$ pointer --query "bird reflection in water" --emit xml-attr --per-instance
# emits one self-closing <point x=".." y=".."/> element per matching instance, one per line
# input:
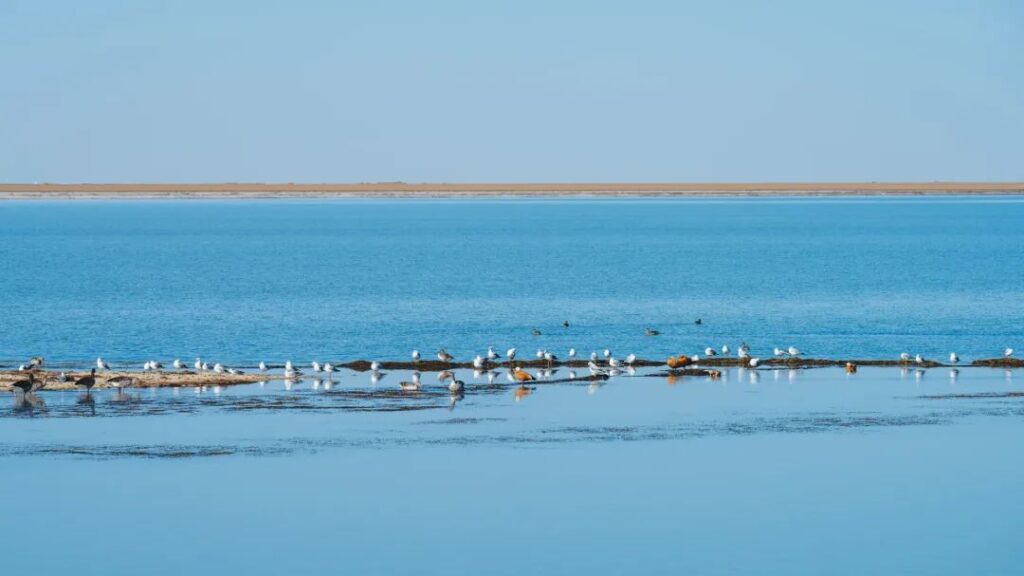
<point x="455" y="399"/>
<point x="523" y="391"/>
<point x="672" y="379"/>
<point x="86" y="399"/>
<point x="28" y="403"/>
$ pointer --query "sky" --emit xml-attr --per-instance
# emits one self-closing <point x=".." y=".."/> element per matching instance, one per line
<point x="511" y="91"/>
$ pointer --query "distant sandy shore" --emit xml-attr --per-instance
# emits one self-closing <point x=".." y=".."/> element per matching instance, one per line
<point x="444" y="190"/>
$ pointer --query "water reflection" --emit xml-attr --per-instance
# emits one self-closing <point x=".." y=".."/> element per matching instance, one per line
<point x="86" y="399"/>
<point x="523" y="392"/>
<point x="455" y="399"/>
<point x="28" y="403"/>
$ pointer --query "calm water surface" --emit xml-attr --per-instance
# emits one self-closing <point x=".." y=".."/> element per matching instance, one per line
<point x="767" y="471"/>
<point x="242" y="281"/>
<point x="802" y="472"/>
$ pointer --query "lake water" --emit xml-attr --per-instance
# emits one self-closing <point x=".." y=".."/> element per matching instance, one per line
<point x="761" y="471"/>
<point x="243" y="281"/>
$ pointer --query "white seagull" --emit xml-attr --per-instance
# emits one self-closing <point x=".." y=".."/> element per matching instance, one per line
<point x="178" y="364"/>
<point x="709" y="351"/>
<point x="725" y="349"/>
<point x="263" y="366"/>
<point x="491" y="354"/>
<point x="315" y="365"/>
<point x="631" y="359"/>
<point x="904" y="357"/>
<point x="478" y="362"/>
<point x="444" y="356"/>
<point x="199" y="364"/>
<point x="375" y="366"/>
<point x="778" y="352"/>
<point x="572" y="353"/>
<point x="918" y="359"/>
<point x="102" y="364"/>
<point x="793" y="351"/>
<point x="1008" y="352"/>
<point x="415" y="355"/>
<point x="510" y="354"/>
<point x="607" y="353"/>
<point x="953" y="358"/>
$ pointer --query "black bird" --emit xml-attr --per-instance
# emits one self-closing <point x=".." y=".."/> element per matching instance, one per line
<point x="698" y="321"/>
<point x="27" y="385"/>
<point x="87" y="381"/>
<point x="536" y="332"/>
<point x="651" y="332"/>
<point x="565" y="324"/>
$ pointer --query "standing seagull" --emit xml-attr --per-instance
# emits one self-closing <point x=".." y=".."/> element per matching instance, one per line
<point x="444" y="356"/>
<point x="1008" y="352"/>
<point x="709" y="351"/>
<point x="793" y="351"/>
<point x="510" y="354"/>
<point x="953" y="358"/>
<point x="491" y="354"/>
<point x="263" y="366"/>
<point x="918" y="359"/>
<point x="415" y="355"/>
<point x="178" y="364"/>
<point x="725" y="349"/>
<point x="199" y="364"/>
<point x="102" y="364"/>
<point x="572" y="353"/>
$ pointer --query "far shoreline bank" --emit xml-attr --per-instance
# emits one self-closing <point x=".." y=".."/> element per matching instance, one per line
<point x="401" y="190"/>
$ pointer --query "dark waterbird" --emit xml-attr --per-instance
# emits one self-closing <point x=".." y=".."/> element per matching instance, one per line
<point x="87" y="381"/>
<point x="28" y="384"/>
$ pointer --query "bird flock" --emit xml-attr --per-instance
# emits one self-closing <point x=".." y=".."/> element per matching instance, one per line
<point x="600" y="364"/>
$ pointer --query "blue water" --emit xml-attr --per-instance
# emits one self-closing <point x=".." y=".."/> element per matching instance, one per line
<point x="768" y="471"/>
<point x="241" y="281"/>
<point x="885" y="471"/>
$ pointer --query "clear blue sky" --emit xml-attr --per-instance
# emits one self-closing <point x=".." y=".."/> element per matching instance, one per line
<point x="194" y="91"/>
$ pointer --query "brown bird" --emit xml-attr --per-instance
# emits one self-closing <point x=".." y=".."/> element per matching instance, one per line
<point x="851" y="368"/>
<point x="522" y="375"/>
<point x="87" y="381"/>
